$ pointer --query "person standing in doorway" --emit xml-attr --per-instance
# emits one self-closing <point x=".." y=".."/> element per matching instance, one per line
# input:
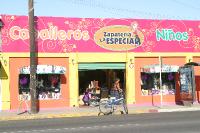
<point x="116" y="89"/>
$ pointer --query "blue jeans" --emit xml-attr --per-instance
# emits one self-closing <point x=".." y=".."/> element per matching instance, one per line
<point x="114" y="93"/>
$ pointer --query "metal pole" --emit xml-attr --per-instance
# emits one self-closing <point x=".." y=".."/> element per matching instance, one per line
<point x="161" y="90"/>
<point x="33" y="67"/>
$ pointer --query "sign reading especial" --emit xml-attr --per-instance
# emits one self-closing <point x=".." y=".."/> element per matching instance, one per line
<point x="119" y="37"/>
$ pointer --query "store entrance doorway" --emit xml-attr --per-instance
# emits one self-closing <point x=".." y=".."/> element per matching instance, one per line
<point x="100" y="79"/>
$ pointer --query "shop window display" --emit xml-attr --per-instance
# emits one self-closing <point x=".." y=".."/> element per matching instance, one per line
<point x="24" y="81"/>
<point x="48" y="85"/>
<point x="150" y="83"/>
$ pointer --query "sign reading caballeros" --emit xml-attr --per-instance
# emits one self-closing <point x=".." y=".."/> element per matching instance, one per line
<point x="119" y="37"/>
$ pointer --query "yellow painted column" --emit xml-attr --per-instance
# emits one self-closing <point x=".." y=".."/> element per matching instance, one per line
<point x="73" y="80"/>
<point x="130" y="79"/>
<point x="5" y="91"/>
<point x="189" y="58"/>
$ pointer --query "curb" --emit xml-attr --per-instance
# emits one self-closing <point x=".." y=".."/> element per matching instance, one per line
<point x="43" y="116"/>
<point x="63" y="115"/>
<point x="83" y="114"/>
<point x="179" y="109"/>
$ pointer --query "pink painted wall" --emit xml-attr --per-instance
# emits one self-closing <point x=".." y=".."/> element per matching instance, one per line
<point x="77" y="34"/>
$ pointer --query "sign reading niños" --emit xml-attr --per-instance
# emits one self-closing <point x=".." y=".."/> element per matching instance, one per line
<point x="118" y="38"/>
<point x="170" y="35"/>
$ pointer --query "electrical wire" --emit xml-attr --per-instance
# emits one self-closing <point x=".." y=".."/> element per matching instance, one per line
<point x="132" y="13"/>
<point x="121" y="12"/>
<point x="186" y="5"/>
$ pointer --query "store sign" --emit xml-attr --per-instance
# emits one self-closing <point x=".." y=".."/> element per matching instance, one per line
<point x="170" y="35"/>
<point x="118" y="38"/>
<point x="65" y="35"/>
<point x="51" y="33"/>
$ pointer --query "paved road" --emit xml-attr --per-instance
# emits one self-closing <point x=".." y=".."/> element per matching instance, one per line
<point x="174" y="122"/>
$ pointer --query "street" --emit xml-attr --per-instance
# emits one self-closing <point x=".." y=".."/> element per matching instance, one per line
<point x="174" y="122"/>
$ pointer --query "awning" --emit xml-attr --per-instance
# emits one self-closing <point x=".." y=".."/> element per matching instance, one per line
<point x="44" y="69"/>
<point x="155" y="68"/>
<point x="192" y="64"/>
<point x="98" y="66"/>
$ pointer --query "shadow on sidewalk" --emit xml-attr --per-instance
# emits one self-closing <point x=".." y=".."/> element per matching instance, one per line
<point x="24" y="112"/>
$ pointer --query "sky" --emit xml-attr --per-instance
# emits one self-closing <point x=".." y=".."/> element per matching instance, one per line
<point x="137" y="9"/>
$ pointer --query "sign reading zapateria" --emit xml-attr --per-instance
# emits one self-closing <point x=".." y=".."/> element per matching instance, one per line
<point x="118" y="37"/>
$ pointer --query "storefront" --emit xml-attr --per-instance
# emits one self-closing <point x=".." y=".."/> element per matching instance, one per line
<point x="52" y="81"/>
<point x="0" y="88"/>
<point x="197" y="79"/>
<point x="3" y="78"/>
<point x="148" y="73"/>
<point x="99" y="77"/>
<point x="92" y="49"/>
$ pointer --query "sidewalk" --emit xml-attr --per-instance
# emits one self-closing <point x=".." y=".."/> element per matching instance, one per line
<point x="92" y="111"/>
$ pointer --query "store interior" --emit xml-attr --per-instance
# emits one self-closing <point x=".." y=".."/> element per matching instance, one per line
<point x="150" y="83"/>
<point x="48" y="85"/>
<point x="100" y="80"/>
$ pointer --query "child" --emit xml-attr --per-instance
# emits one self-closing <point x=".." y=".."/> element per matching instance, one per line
<point x="86" y="97"/>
